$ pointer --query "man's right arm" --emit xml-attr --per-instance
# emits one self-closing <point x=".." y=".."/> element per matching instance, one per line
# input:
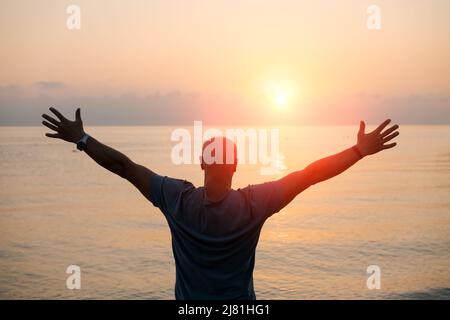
<point x="120" y="164"/>
<point x="107" y="157"/>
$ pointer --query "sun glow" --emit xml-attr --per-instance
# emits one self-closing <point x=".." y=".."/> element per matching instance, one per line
<point x="281" y="93"/>
<point x="281" y="99"/>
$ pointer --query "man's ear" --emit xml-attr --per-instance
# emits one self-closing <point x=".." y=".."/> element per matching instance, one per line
<point x="202" y="163"/>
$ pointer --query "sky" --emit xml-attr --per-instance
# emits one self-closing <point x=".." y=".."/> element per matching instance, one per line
<point x="252" y="62"/>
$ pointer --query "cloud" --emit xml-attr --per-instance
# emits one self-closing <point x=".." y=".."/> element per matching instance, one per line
<point x="10" y="90"/>
<point x="51" y="85"/>
<point x="410" y="109"/>
<point x="17" y="107"/>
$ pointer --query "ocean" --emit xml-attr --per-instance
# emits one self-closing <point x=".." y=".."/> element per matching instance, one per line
<point x="58" y="208"/>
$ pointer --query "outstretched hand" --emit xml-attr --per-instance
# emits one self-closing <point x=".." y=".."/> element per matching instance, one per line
<point x="71" y="131"/>
<point x="377" y="140"/>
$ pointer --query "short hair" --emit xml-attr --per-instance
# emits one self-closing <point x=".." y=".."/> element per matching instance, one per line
<point x="214" y="149"/>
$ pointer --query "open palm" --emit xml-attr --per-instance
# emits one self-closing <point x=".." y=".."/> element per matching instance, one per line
<point x="67" y="130"/>
<point x="377" y="140"/>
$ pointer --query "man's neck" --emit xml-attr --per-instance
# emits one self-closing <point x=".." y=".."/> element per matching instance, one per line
<point x="216" y="189"/>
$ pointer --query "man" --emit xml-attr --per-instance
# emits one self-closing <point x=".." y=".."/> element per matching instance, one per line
<point x="214" y="228"/>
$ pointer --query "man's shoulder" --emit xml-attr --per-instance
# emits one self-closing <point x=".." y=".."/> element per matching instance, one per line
<point x="270" y="185"/>
<point x="170" y="186"/>
<point x="176" y="181"/>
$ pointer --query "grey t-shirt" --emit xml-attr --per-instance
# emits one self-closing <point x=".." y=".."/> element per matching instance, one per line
<point x="214" y="243"/>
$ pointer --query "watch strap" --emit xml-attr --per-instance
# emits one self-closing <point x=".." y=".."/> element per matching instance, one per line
<point x="82" y="143"/>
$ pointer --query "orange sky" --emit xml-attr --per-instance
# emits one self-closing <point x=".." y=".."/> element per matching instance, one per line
<point x="316" y="51"/>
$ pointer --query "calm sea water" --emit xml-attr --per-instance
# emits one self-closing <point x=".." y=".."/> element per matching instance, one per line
<point x="58" y="208"/>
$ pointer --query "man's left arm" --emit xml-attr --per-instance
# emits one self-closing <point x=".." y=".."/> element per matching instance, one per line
<point x="326" y="168"/>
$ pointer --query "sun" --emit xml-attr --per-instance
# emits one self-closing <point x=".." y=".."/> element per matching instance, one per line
<point x="281" y="99"/>
<point x="281" y="95"/>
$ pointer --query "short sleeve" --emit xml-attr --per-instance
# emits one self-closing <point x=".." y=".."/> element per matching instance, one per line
<point x="265" y="198"/>
<point x="165" y="192"/>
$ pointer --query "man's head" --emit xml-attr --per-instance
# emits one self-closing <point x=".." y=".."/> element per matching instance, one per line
<point x="219" y="157"/>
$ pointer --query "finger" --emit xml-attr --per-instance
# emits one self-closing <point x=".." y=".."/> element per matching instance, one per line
<point x="382" y="126"/>
<point x="388" y="131"/>
<point x="362" y="127"/>
<point x="78" y="115"/>
<point x="50" y="119"/>
<point x="388" y="146"/>
<point x="53" y="135"/>
<point x="390" y="137"/>
<point x="58" y="114"/>
<point x="49" y="125"/>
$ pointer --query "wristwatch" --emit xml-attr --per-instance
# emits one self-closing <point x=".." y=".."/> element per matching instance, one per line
<point x="82" y="143"/>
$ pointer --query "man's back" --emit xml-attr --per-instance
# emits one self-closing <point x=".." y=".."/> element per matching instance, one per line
<point x="214" y="243"/>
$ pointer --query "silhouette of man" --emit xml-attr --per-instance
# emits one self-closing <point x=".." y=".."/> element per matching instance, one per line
<point x="215" y="229"/>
